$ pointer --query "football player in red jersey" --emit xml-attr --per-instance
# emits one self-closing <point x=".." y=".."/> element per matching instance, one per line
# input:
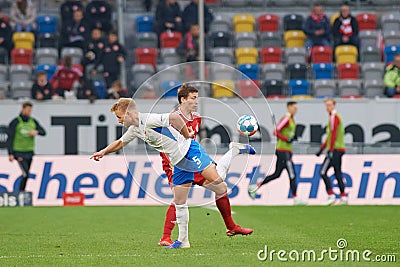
<point x="188" y="100"/>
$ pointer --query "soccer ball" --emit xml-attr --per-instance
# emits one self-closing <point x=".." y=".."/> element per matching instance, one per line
<point x="247" y="125"/>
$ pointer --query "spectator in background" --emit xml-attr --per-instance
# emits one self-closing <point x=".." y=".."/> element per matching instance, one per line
<point x="392" y="78"/>
<point x="189" y="46"/>
<point x="345" y="28"/>
<point x="98" y="14"/>
<point x="66" y="77"/>
<point x="111" y="58"/>
<point x="67" y="10"/>
<point x="86" y="90"/>
<point x="317" y="28"/>
<point x="147" y="4"/>
<point x="190" y="16"/>
<point x="42" y="89"/>
<point x="94" y="47"/>
<point x="23" y="16"/>
<point x="116" y="91"/>
<point x="75" y="33"/>
<point x="168" y="16"/>
<point x="5" y="33"/>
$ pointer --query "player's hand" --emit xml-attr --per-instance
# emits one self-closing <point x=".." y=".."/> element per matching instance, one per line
<point x="289" y="140"/>
<point x="330" y="154"/>
<point x="33" y="133"/>
<point x="11" y="158"/>
<point x="97" y="155"/>
<point x="319" y="153"/>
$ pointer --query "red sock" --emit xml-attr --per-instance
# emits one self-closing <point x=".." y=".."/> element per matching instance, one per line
<point x="224" y="207"/>
<point x="170" y="218"/>
<point x="343" y="194"/>
<point x="294" y="195"/>
<point x="330" y="192"/>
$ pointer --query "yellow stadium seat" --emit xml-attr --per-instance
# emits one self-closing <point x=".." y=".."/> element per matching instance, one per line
<point x="346" y="54"/>
<point x="223" y="88"/>
<point x="302" y="97"/>
<point x="23" y="40"/>
<point x="294" y="38"/>
<point x="334" y="17"/>
<point x="246" y="55"/>
<point x="244" y="23"/>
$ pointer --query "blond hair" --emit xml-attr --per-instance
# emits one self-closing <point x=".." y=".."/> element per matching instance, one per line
<point x="123" y="104"/>
<point x="330" y="99"/>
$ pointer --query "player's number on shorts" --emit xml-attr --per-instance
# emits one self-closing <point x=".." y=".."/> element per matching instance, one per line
<point x="197" y="161"/>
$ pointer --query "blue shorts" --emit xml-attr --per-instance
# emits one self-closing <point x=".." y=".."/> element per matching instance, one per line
<point x="195" y="160"/>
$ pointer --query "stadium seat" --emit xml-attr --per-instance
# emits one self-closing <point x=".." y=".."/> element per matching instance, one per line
<point x="295" y="55"/>
<point x="222" y="72"/>
<point x="223" y="88"/>
<point x="268" y="23"/>
<point x="321" y="54"/>
<point x="221" y="39"/>
<point x="170" y="88"/>
<point x="46" y="24"/>
<point x="165" y="72"/>
<point x="21" y="56"/>
<point x="260" y="3"/>
<point x="75" y="52"/>
<point x="144" y="24"/>
<point x="370" y="54"/>
<point x="366" y="21"/>
<point x="246" y="39"/>
<point x="248" y="88"/>
<point x="140" y="73"/>
<point x="46" y="56"/>
<point x="299" y="87"/>
<point x="302" y="97"/>
<point x="146" y="56"/>
<point x="382" y="2"/>
<point x="273" y="88"/>
<point x="246" y="55"/>
<point x="270" y="39"/>
<point x="297" y="71"/>
<point x="24" y="40"/>
<point x="294" y="38"/>
<point x="322" y="71"/>
<point x="369" y="38"/>
<point x="243" y="23"/>
<point x="170" y="39"/>
<point x="333" y="18"/>
<point x="20" y="73"/>
<point x="3" y="56"/>
<point x="349" y="88"/>
<point x="222" y="55"/>
<point x="390" y="52"/>
<point x="293" y="22"/>
<point x="271" y="55"/>
<point x="49" y="69"/>
<point x="21" y="89"/>
<point x="373" y="70"/>
<point x="334" y="3"/>
<point x="346" y="54"/>
<point x="146" y="39"/>
<point x="236" y="3"/>
<point x="273" y="71"/>
<point x="100" y="87"/>
<point x="374" y="88"/>
<point x="348" y="71"/>
<point x="250" y="70"/>
<point x="390" y="21"/>
<point x="3" y="73"/>
<point x="169" y="56"/>
<point x="324" y="88"/>
<point x="391" y="38"/>
<point x="48" y="40"/>
<point x="221" y="23"/>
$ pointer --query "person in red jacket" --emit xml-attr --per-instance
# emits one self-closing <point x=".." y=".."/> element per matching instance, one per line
<point x="187" y="97"/>
<point x="66" y="77"/>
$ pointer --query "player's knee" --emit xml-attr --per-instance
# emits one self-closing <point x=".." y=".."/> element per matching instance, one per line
<point x="221" y="189"/>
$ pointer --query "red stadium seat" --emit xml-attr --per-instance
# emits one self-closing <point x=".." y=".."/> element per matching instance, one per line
<point x="170" y="39"/>
<point x="271" y="55"/>
<point x="21" y="56"/>
<point x="268" y="23"/>
<point x="146" y="56"/>
<point x="351" y="96"/>
<point x="348" y="71"/>
<point x="321" y="54"/>
<point x="248" y="88"/>
<point x="276" y="97"/>
<point x="366" y="21"/>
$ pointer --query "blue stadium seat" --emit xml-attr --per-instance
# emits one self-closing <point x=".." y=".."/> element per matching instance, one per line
<point x="299" y="87"/>
<point x="100" y="87"/>
<point x="49" y="69"/>
<point x="250" y="70"/>
<point x="390" y="52"/>
<point x="323" y="71"/>
<point x="47" y="24"/>
<point x="144" y="24"/>
<point x="170" y="88"/>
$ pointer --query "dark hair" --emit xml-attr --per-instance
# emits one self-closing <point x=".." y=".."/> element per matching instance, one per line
<point x="27" y="104"/>
<point x="185" y="90"/>
<point x="41" y="73"/>
<point x="291" y="103"/>
<point x="114" y="32"/>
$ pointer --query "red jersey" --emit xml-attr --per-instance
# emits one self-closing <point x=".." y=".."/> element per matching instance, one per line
<point x="193" y="124"/>
<point x="66" y="77"/>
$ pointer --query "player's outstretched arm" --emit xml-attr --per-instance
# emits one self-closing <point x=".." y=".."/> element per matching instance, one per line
<point x="180" y="125"/>
<point x="114" y="146"/>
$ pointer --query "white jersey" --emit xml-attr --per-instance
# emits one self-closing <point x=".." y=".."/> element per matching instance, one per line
<point x="156" y="131"/>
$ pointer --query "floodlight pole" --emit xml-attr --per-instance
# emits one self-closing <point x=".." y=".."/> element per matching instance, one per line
<point x="121" y="38"/>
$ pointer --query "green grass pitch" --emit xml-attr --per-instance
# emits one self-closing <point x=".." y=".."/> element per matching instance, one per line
<point x="128" y="236"/>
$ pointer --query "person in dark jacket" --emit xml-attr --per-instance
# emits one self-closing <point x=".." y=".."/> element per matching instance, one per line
<point x="5" y="33"/>
<point x="94" y="47"/>
<point x="116" y="91"/>
<point x="75" y="33"/>
<point x="111" y="58"/>
<point x="86" y="90"/>
<point x="190" y="16"/>
<point x="168" y="16"/>
<point x="67" y="10"/>
<point x="345" y="28"/>
<point x="317" y="28"/>
<point x="42" y="89"/>
<point x="98" y="14"/>
<point x="21" y="140"/>
<point x="189" y="46"/>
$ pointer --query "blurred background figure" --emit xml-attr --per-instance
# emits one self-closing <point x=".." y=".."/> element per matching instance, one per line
<point x="66" y="78"/>
<point x="42" y="89"/>
<point x="116" y="91"/>
<point x="345" y="28"/>
<point x="23" y="16"/>
<point x="317" y="28"/>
